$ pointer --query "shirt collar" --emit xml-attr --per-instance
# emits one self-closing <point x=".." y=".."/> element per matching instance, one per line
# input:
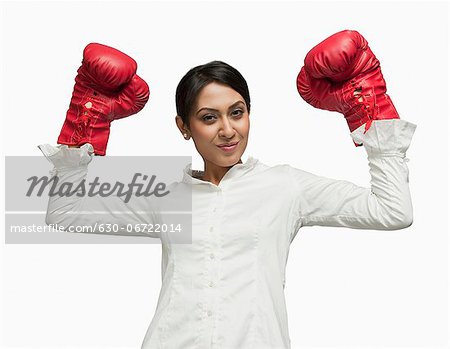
<point x="236" y="171"/>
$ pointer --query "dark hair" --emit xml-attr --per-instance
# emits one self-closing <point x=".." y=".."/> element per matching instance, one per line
<point x="198" y="77"/>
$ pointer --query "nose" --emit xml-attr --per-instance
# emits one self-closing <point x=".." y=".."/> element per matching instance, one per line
<point x="226" y="130"/>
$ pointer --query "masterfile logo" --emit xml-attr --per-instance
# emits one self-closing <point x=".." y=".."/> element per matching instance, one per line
<point x="117" y="199"/>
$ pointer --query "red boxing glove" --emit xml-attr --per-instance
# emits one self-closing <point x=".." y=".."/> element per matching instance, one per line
<point x="342" y="74"/>
<point x="106" y="88"/>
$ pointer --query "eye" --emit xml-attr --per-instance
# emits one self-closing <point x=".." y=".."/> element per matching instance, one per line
<point x="237" y="112"/>
<point x="208" y="117"/>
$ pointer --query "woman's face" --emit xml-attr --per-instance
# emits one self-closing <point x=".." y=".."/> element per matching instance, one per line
<point x="219" y="117"/>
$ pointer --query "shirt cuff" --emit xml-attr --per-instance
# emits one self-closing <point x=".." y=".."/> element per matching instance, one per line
<point x="387" y="136"/>
<point x="63" y="157"/>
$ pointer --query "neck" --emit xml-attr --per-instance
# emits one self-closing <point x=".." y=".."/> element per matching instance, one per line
<point x="214" y="173"/>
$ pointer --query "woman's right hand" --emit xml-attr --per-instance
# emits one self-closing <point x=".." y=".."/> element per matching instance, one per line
<point x="106" y="88"/>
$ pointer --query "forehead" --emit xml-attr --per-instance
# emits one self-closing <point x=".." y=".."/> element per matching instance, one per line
<point x="216" y="95"/>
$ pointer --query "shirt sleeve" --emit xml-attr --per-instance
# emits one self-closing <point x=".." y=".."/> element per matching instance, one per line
<point x="386" y="205"/>
<point x="109" y="215"/>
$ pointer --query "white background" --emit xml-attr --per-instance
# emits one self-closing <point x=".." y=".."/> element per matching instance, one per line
<point x="349" y="288"/>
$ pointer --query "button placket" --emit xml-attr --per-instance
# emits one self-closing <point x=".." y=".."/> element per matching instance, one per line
<point x="214" y="230"/>
<point x="211" y="260"/>
<point x="210" y="256"/>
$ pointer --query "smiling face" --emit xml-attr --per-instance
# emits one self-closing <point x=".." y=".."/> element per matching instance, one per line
<point x="219" y="116"/>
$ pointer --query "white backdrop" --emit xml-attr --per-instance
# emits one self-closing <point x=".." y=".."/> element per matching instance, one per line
<point x="344" y="287"/>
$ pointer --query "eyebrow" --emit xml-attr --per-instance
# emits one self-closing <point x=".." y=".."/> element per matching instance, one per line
<point x="212" y="109"/>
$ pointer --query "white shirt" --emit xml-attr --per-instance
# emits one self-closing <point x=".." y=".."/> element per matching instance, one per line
<point x="226" y="288"/>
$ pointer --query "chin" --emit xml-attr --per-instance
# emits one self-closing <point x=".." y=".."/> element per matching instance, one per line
<point x="225" y="160"/>
<point x="228" y="160"/>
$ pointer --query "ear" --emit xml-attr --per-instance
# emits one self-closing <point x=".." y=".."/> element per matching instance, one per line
<point x="181" y="125"/>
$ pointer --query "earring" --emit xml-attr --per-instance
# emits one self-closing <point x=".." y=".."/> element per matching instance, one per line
<point x="185" y="135"/>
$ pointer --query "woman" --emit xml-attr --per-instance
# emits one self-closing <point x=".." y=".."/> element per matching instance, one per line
<point x="226" y="288"/>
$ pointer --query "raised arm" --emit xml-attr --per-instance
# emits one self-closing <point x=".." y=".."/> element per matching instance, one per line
<point x="106" y="88"/>
<point x="342" y="74"/>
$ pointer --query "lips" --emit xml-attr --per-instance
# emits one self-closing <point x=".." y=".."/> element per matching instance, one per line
<point x="227" y="144"/>
<point x="228" y="147"/>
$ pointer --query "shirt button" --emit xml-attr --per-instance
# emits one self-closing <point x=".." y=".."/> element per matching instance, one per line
<point x="211" y="228"/>
<point x="209" y="312"/>
<point x="214" y="209"/>
<point x="211" y="284"/>
<point x="211" y="256"/>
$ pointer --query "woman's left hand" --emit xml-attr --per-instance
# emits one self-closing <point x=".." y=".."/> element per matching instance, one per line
<point x="342" y="74"/>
